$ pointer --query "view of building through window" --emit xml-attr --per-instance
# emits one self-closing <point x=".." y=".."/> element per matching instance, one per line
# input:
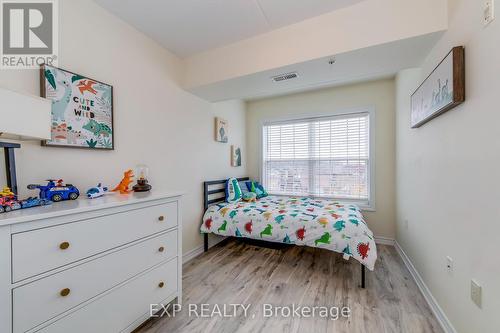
<point x="324" y="157"/>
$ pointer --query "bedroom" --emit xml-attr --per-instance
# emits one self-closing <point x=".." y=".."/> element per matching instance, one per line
<point x="316" y="97"/>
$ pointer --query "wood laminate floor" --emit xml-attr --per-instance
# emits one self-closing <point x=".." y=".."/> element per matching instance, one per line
<point x="236" y="272"/>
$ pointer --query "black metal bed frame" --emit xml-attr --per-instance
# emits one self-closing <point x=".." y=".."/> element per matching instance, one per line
<point x="207" y="192"/>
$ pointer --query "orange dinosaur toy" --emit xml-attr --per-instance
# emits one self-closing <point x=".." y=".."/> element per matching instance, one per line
<point x="125" y="182"/>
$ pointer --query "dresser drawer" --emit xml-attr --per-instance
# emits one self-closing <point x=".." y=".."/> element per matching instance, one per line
<point x="118" y="309"/>
<point x="38" y="251"/>
<point x="43" y="299"/>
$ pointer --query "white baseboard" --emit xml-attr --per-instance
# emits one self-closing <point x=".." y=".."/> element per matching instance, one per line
<point x="191" y="254"/>
<point x="384" y="241"/>
<point x="436" y="309"/>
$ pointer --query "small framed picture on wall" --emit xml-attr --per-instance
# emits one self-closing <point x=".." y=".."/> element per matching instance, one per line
<point x="235" y="156"/>
<point x="221" y="126"/>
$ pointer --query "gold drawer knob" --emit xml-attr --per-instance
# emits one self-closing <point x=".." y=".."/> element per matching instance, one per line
<point x="161" y="284"/>
<point x="161" y="249"/>
<point x="64" y="245"/>
<point x="161" y="218"/>
<point x="65" y="292"/>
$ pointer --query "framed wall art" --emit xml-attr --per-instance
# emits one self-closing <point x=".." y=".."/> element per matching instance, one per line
<point x="221" y="126"/>
<point x="235" y="156"/>
<point x="82" y="109"/>
<point x="442" y="90"/>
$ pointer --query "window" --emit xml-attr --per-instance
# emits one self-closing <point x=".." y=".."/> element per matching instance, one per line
<point x="319" y="157"/>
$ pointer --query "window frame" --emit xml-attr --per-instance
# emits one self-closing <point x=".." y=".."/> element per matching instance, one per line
<point x="368" y="205"/>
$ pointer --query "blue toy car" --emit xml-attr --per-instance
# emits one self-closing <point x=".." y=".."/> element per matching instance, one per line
<point x="34" y="202"/>
<point x="56" y="191"/>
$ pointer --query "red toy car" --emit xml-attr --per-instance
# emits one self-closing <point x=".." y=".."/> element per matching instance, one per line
<point x="8" y="203"/>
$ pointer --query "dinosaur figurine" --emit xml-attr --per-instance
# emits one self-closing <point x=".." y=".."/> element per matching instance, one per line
<point x="125" y="182"/>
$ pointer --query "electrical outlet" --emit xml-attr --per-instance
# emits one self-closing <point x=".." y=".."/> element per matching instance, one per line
<point x="489" y="11"/>
<point x="406" y="223"/>
<point x="449" y="264"/>
<point x="475" y="292"/>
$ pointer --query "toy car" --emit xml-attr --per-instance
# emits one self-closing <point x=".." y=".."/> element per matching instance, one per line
<point x="96" y="192"/>
<point x="56" y="192"/>
<point x="6" y="192"/>
<point x="8" y="203"/>
<point x="33" y="202"/>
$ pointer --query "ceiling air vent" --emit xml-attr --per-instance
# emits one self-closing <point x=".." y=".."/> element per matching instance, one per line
<point x="285" y="77"/>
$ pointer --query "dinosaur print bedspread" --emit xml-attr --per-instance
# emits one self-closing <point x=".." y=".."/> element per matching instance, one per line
<point x="300" y="221"/>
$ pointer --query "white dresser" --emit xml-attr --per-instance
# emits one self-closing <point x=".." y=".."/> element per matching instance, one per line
<point x="89" y="265"/>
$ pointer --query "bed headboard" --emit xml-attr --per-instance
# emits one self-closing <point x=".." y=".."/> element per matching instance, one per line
<point x="208" y="190"/>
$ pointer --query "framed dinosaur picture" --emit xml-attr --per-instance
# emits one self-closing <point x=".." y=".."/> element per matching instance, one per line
<point x="82" y="109"/>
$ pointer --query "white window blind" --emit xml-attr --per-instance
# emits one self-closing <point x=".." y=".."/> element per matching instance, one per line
<point x="321" y="157"/>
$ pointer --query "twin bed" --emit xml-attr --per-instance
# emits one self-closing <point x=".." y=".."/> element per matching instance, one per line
<point x="303" y="221"/>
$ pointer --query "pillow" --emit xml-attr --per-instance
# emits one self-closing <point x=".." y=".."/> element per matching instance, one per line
<point x="233" y="190"/>
<point x="257" y="188"/>
<point x="243" y="187"/>
<point x="249" y="197"/>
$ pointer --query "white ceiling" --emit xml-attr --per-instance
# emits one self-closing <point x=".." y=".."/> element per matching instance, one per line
<point x="376" y="62"/>
<point x="187" y="27"/>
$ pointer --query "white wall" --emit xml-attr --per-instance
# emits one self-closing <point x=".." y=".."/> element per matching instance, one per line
<point x="447" y="177"/>
<point x="156" y="122"/>
<point x="377" y="94"/>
